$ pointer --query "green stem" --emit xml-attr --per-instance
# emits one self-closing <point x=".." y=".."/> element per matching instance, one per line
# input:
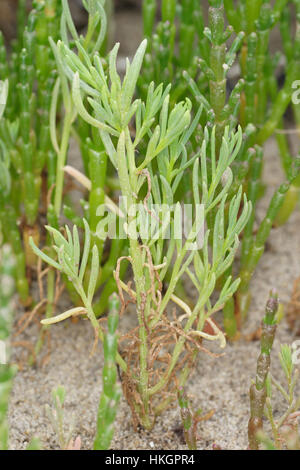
<point x="126" y="178"/>
<point x="61" y="161"/>
<point x="258" y="392"/>
<point x="290" y="202"/>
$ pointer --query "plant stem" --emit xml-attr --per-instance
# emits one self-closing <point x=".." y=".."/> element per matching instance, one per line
<point x="258" y="392"/>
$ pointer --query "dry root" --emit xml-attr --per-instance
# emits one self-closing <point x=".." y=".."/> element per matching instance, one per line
<point x="161" y="340"/>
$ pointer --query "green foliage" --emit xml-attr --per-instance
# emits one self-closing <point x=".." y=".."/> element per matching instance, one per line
<point x="285" y="432"/>
<point x="34" y="444"/>
<point x="254" y="100"/>
<point x="56" y="416"/>
<point x="259" y="389"/>
<point x="111" y="392"/>
<point x="286" y="360"/>
<point x="95" y="159"/>
<point x="165" y="133"/>
<point x="7" y="311"/>
<point x="176" y="129"/>
<point x="24" y="130"/>
<point x="190" y="419"/>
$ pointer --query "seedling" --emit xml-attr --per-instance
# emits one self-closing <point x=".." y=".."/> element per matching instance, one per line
<point x="111" y="392"/>
<point x="255" y="102"/>
<point x="56" y="417"/>
<point x="190" y="420"/>
<point x="150" y="259"/>
<point x="284" y="429"/>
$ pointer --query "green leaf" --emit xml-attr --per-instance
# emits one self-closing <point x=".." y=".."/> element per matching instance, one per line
<point x="131" y="76"/>
<point x="86" y="251"/>
<point x="286" y="361"/>
<point x="3" y="96"/>
<point x="43" y="256"/>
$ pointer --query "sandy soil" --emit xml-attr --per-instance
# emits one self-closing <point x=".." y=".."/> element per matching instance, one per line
<point x="221" y="384"/>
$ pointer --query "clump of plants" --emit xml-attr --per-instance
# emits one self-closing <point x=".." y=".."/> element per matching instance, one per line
<point x="174" y="339"/>
<point x="28" y="159"/>
<point x="180" y="143"/>
<point x="202" y="63"/>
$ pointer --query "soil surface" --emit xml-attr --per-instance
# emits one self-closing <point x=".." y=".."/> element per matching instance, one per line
<point x="221" y="384"/>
